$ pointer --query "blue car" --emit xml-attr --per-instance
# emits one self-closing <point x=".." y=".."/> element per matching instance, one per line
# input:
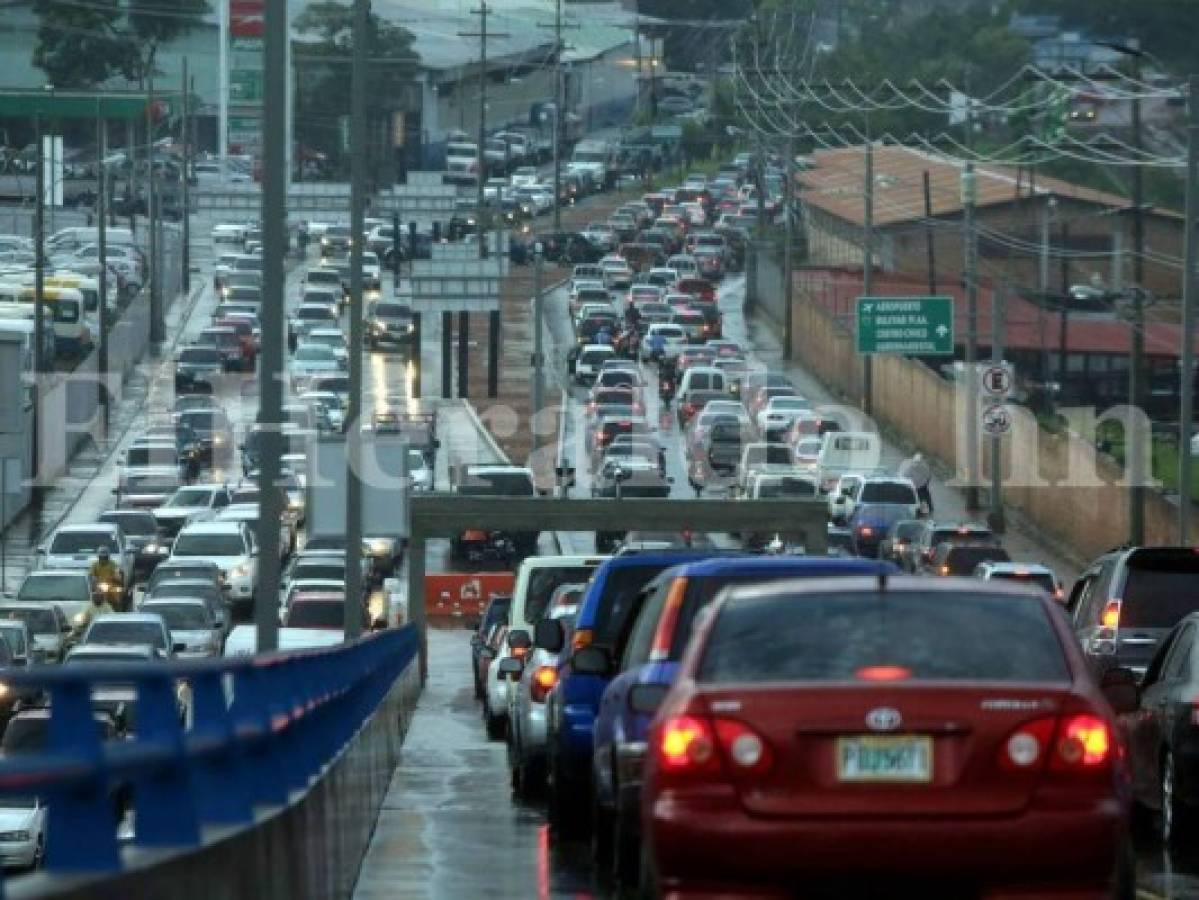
<point x="871" y="522"/>
<point x="612" y="597"/>
<point x="647" y="656"/>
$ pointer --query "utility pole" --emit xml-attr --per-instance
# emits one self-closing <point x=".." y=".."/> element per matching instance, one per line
<point x="358" y="150"/>
<point x="538" y="346"/>
<point x="929" y="236"/>
<point x="971" y="276"/>
<point x="482" y="34"/>
<point x="39" y="284"/>
<point x="868" y="268"/>
<point x="1134" y="458"/>
<point x="270" y="364"/>
<point x="156" y="323"/>
<point x="186" y="279"/>
<point x="102" y="242"/>
<point x="788" y="248"/>
<point x="1043" y="291"/>
<point x="1064" y="325"/>
<point x="998" y="314"/>
<point x="559" y="103"/>
<point x="1190" y="260"/>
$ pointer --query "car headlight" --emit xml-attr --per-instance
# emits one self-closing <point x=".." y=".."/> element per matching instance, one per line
<point x="152" y="547"/>
<point x="379" y="546"/>
<point x="103" y="587"/>
<point x="14" y="835"/>
<point x="295" y="503"/>
<point x="218" y="439"/>
<point x="78" y="619"/>
<point x="240" y="571"/>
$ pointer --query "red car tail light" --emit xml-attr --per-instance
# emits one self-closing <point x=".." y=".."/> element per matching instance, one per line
<point x="544" y="679"/>
<point x="1110" y="617"/>
<point x="685" y="745"/>
<point x="883" y="673"/>
<point x="582" y="638"/>
<point x="1084" y="742"/>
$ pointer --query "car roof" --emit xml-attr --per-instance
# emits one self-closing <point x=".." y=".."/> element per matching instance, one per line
<point x="105" y="649"/>
<point x="1016" y="568"/>
<point x="128" y="617"/>
<point x="90" y="526"/>
<point x="211" y="528"/>
<point x="891" y="584"/>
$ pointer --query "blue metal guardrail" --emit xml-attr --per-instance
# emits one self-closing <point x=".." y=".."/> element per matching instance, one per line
<point x="260" y="728"/>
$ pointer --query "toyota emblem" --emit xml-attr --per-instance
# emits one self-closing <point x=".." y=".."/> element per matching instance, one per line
<point x="883" y="719"/>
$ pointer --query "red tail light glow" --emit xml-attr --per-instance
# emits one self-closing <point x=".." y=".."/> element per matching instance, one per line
<point x="883" y="673"/>
<point x="685" y="743"/>
<point x="1110" y="617"/>
<point x="1084" y="741"/>
<point x="519" y="652"/>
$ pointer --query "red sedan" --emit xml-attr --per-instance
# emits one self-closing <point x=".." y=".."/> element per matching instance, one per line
<point x="885" y="737"/>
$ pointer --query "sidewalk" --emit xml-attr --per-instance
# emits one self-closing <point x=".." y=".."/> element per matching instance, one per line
<point x="1023" y="542"/>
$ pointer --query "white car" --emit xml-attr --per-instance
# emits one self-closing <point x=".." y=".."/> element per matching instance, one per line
<point x="891" y="490"/>
<point x="78" y="546"/>
<point x="22" y="832"/>
<point x="230" y="232"/>
<point x="248" y="513"/>
<point x="777" y="415"/>
<point x="525" y="176"/>
<point x="229" y="545"/>
<point x="312" y="361"/>
<point x="194" y="631"/>
<point x="591" y="359"/>
<point x="674" y="341"/>
<point x="618" y="275"/>
<point x="243" y="640"/>
<point x="806" y="452"/>
<point x="333" y="338"/>
<point x="372" y="271"/>
<point x="129" y="629"/>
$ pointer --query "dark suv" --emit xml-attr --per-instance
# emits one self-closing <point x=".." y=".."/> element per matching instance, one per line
<point x="1129" y="599"/>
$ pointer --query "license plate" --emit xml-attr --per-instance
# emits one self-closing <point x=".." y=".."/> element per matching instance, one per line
<point x="898" y="758"/>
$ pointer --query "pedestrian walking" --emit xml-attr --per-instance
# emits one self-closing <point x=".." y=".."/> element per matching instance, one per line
<point x="916" y="469"/>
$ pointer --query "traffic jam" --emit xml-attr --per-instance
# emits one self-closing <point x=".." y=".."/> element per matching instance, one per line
<point x="733" y="715"/>
<point x="723" y="714"/>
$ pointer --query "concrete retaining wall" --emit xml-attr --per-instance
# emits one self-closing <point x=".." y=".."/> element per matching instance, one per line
<point x="1057" y="481"/>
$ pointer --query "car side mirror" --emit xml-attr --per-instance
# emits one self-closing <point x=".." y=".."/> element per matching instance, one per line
<point x="646" y="698"/>
<point x="549" y="635"/>
<point x="1121" y="689"/>
<point x="519" y="639"/>
<point x="592" y="661"/>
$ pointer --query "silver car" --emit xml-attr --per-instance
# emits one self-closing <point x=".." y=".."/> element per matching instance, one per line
<point x="526" y="700"/>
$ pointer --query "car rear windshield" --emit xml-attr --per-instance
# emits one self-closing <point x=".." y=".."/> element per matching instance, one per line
<point x="80" y="541"/>
<point x="208" y="545"/>
<point x="172" y="587"/>
<point x="1160" y="588"/>
<point x="887" y="492"/>
<point x="621" y="587"/>
<point x="131" y="522"/>
<point x="55" y="587"/>
<point x="963" y="560"/>
<point x="39" y="619"/>
<point x="319" y="572"/>
<point x="1035" y="579"/>
<point x="317" y="614"/>
<point x="126" y="633"/>
<point x="786" y="487"/>
<point x="544" y="581"/>
<point x="181" y="616"/>
<point x="929" y="636"/>
<point x="151" y="456"/>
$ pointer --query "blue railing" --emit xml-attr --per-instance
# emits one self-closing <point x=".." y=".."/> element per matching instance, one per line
<point x="260" y="727"/>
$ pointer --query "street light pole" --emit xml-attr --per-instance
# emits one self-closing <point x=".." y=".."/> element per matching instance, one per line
<point x="1190" y="260"/>
<point x="1136" y="363"/>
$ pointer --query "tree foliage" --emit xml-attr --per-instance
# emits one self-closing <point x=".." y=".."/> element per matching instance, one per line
<point x="323" y="51"/>
<point x="81" y="45"/>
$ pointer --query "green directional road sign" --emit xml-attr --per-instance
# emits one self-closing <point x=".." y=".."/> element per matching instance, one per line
<point x="921" y="326"/>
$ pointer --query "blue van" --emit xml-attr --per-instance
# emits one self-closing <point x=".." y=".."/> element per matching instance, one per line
<point x="611" y="599"/>
<point x="645" y="659"/>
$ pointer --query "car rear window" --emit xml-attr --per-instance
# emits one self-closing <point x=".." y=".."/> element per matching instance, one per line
<point x="963" y="560"/>
<point x="620" y="589"/>
<point x="1038" y="579"/>
<point x="317" y="614"/>
<point x="932" y="635"/>
<point x="1160" y="589"/>
<point x="543" y="582"/>
<point x="887" y="492"/>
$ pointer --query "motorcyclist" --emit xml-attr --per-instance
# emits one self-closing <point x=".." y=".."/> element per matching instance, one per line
<point x="657" y="344"/>
<point x="104" y="570"/>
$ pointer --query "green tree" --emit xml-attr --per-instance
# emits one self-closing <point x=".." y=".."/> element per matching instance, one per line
<point x="81" y="45"/>
<point x="323" y="49"/>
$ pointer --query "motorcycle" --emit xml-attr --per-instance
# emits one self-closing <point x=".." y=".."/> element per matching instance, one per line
<point x="113" y="593"/>
<point x="666" y="388"/>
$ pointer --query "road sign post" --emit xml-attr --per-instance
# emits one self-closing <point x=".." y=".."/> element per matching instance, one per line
<point x="918" y="326"/>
